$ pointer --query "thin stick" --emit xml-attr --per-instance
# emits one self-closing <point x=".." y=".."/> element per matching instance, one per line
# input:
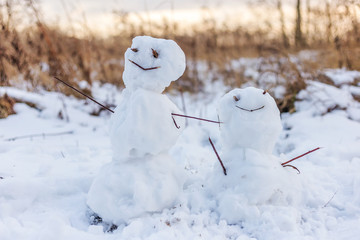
<point x="39" y="135"/>
<point x="218" y="157"/>
<point x="201" y="119"/>
<point x="315" y="149"/>
<point x="83" y="94"/>
<point x="330" y="199"/>
<point x="288" y="165"/>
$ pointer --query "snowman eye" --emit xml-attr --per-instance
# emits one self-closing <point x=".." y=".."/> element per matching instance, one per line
<point x="134" y="49"/>
<point x="236" y="98"/>
<point x="265" y="91"/>
<point x="155" y="53"/>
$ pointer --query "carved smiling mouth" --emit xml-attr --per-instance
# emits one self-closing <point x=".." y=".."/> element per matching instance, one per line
<point x="145" y="69"/>
<point x="250" y="110"/>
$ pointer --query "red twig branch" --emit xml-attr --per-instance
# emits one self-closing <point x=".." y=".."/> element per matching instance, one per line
<point x="83" y="94"/>
<point x="288" y="165"/>
<point x="201" y="119"/>
<point x="175" y="122"/>
<point x="218" y="157"/>
<point x="285" y="163"/>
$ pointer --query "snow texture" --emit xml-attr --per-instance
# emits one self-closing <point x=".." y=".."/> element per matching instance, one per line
<point x="142" y="124"/>
<point x="44" y="180"/>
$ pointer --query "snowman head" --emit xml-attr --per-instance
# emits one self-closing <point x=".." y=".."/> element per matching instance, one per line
<point x="152" y="64"/>
<point x="251" y="119"/>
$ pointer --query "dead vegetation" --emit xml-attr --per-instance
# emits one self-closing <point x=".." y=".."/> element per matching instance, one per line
<point x="39" y="52"/>
<point x="6" y="106"/>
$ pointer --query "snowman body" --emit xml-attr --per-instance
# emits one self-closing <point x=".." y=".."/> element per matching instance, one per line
<point x="255" y="177"/>
<point x="142" y="177"/>
<point x="143" y="125"/>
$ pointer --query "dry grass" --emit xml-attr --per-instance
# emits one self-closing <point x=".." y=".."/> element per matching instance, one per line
<point x="40" y="52"/>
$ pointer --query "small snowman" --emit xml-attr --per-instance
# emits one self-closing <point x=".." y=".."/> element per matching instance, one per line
<point x="250" y="127"/>
<point x="142" y="177"/>
<point x="251" y="120"/>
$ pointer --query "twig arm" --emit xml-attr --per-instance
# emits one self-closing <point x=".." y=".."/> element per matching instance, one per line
<point x="201" y="119"/>
<point x="285" y="163"/>
<point x="78" y="91"/>
<point x="218" y="157"/>
<point x="39" y="135"/>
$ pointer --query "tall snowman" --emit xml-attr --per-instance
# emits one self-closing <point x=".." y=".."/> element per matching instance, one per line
<point x="255" y="177"/>
<point x="142" y="177"/>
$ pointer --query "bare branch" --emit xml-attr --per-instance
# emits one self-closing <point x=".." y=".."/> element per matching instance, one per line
<point x="39" y="135"/>
<point x="84" y="94"/>
<point x="218" y="157"/>
<point x="201" y="119"/>
<point x="315" y="149"/>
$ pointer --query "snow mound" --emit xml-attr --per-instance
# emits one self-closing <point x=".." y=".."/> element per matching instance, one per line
<point x="319" y="99"/>
<point x="253" y="180"/>
<point x="127" y="190"/>
<point x="342" y="76"/>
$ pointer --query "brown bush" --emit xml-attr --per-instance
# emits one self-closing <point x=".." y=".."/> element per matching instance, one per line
<point x="6" y="106"/>
<point x="40" y="52"/>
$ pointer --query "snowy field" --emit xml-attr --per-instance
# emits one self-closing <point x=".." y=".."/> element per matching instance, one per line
<point x="49" y="156"/>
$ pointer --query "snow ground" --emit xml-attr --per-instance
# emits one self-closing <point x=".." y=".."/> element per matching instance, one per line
<point x="45" y="179"/>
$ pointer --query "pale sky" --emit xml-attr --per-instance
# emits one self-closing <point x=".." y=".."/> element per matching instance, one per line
<point x="99" y="17"/>
<point x="92" y="6"/>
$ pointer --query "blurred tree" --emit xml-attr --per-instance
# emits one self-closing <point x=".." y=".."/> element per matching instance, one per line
<point x="329" y="22"/>
<point x="299" y="38"/>
<point x="285" y="39"/>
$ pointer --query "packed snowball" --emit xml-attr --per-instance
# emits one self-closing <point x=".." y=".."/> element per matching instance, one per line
<point x="152" y="64"/>
<point x="142" y="178"/>
<point x="251" y="119"/>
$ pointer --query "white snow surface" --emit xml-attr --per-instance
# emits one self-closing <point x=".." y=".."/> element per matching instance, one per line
<point x="253" y="176"/>
<point x="45" y="179"/>
<point x="253" y="187"/>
